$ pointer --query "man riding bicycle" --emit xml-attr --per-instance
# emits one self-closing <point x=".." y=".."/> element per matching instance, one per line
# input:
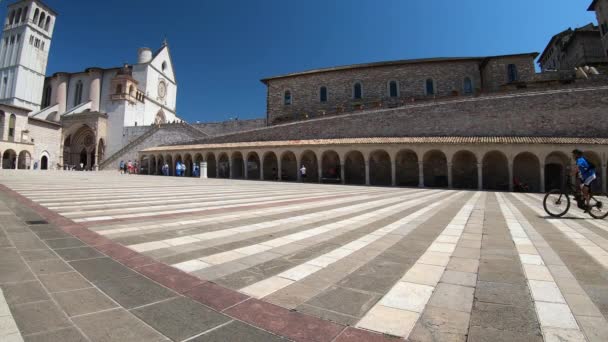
<point x="586" y="172"/>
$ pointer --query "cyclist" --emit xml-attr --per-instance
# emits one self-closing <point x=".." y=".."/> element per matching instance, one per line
<point x="586" y="173"/>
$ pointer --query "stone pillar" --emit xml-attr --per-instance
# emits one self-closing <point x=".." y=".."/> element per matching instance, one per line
<point x="203" y="169"/>
<point x="245" y="167"/>
<point x="149" y="167"/>
<point x="230" y="169"/>
<point x="542" y="178"/>
<point x="393" y="172"/>
<point x="279" y="169"/>
<point x="367" y="182"/>
<point x="450" y="184"/>
<point x="421" y="174"/>
<point x="342" y="174"/>
<point x="261" y="169"/>
<point x="510" y="176"/>
<point x="298" y="166"/>
<point x="320" y="170"/>
<point x="61" y="92"/>
<point x="603" y="178"/>
<point x="217" y="169"/>
<point x="95" y="88"/>
<point x="479" y="176"/>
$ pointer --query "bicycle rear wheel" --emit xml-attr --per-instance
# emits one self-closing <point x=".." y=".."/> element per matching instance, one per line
<point x="556" y="203"/>
<point x="598" y="206"/>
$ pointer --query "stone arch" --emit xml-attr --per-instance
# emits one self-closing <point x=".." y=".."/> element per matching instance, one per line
<point x="406" y="168"/>
<point x="309" y="160"/>
<point x="170" y="163"/>
<point x="189" y="164"/>
<point x="495" y="171"/>
<point x="330" y="166"/>
<point x="435" y="169"/>
<point x="44" y="160"/>
<point x="354" y="168"/>
<point x="152" y="168"/>
<point x="160" y="162"/>
<point x="80" y="148"/>
<point x="289" y="167"/>
<point x="270" y="166"/>
<point x="526" y="170"/>
<point x="223" y="162"/>
<point x="238" y="165"/>
<point x="211" y="165"/>
<point x="464" y="170"/>
<point x="198" y="158"/>
<point x="595" y="159"/>
<point x="557" y="166"/>
<point x="380" y="168"/>
<point x="253" y="166"/>
<point x="24" y="160"/>
<point x="9" y="159"/>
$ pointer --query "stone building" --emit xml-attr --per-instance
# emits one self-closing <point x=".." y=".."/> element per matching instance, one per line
<point x="570" y="49"/>
<point x="341" y="89"/>
<point x="601" y="11"/>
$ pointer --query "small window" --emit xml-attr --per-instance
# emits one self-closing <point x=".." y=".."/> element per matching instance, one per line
<point x="48" y="23"/>
<point x="24" y="18"/>
<point x="11" y="127"/>
<point x="42" y="18"/>
<point x="430" y="87"/>
<point x="42" y="46"/>
<point x="12" y="40"/>
<point x="468" y="85"/>
<point x="131" y="89"/>
<point x="119" y="89"/>
<point x="287" y="98"/>
<point x="393" y="89"/>
<point x="47" y="96"/>
<point x="357" y="92"/>
<point x="78" y="94"/>
<point x="323" y="94"/>
<point x="164" y="66"/>
<point x="36" y="14"/>
<point x="512" y="72"/>
<point x="31" y="40"/>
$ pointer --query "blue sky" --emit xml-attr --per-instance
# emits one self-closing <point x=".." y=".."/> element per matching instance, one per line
<point x="222" y="48"/>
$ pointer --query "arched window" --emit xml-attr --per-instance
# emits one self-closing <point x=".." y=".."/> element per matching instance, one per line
<point x="164" y="66"/>
<point x="393" y="89"/>
<point x="323" y="94"/>
<point x="287" y="98"/>
<point x="11" y="127"/>
<point x="48" y="23"/>
<point x="18" y="16"/>
<point x="36" y="14"/>
<point x="357" y="92"/>
<point x="11" y="18"/>
<point x="119" y="89"/>
<point x="131" y="90"/>
<point x="78" y="94"/>
<point x="46" y="100"/>
<point x="42" y="18"/>
<point x="24" y="16"/>
<point x="430" y="87"/>
<point x="468" y="85"/>
<point x="512" y="72"/>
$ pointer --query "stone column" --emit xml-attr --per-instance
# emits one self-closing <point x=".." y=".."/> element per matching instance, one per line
<point x="217" y="169"/>
<point x="149" y="167"/>
<point x="393" y="172"/>
<point x="450" y="186"/>
<point x="298" y="166"/>
<point x="510" y="176"/>
<point x="61" y="92"/>
<point x="342" y="174"/>
<point x="603" y="178"/>
<point x="420" y="174"/>
<point x="245" y="167"/>
<point x="320" y="170"/>
<point x="203" y="169"/>
<point x="261" y="169"/>
<point x="95" y="88"/>
<point x="479" y="176"/>
<point x="542" y="178"/>
<point x="279" y="169"/>
<point x="367" y="182"/>
<point x="230" y="169"/>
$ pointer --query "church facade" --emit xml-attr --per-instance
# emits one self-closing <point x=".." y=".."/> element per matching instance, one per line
<point x="71" y="119"/>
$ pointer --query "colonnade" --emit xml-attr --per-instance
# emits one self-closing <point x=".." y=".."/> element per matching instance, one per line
<point x="488" y="167"/>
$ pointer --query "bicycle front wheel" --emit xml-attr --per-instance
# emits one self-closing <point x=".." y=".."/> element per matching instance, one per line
<point x="598" y="206"/>
<point x="556" y="203"/>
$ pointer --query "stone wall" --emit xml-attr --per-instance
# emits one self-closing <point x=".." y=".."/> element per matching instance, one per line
<point x="47" y="140"/>
<point x="579" y="112"/>
<point x="448" y="77"/>
<point x="231" y="126"/>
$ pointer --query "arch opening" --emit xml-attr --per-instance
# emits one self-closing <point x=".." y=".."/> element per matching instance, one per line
<point x="495" y="171"/>
<point x="330" y="167"/>
<point x="270" y="166"/>
<point x="526" y="172"/>
<point x="354" y="168"/>
<point x="211" y="165"/>
<point x="253" y="166"/>
<point x="435" y="169"/>
<point x="289" y="167"/>
<point x="309" y="161"/>
<point x="407" y="170"/>
<point x="238" y="166"/>
<point x="556" y="169"/>
<point x="464" y="170"/>
<point x="223" y="163"/>
<point x="380" y="168"/>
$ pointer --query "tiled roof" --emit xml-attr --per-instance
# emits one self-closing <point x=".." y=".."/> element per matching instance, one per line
<point x="405" y="140"/>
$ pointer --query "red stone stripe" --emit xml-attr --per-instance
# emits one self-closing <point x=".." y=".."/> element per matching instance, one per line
<point x="278" y="320"/>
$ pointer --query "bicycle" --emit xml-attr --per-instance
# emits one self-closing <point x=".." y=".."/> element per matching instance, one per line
<point x="557" y="201"/>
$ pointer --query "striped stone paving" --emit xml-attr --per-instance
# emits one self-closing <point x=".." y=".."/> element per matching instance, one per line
<point x="268" y="260"/>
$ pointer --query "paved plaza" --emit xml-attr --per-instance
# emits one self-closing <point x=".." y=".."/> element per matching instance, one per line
<point x="105" y="257"/>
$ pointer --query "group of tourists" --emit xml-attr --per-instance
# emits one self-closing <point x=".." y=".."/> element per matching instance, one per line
<point x="128" y="168"/>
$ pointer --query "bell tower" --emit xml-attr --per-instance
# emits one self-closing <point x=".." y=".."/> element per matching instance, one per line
<point x="24" y="52"/>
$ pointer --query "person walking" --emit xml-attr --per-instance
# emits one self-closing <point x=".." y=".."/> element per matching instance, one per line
<point x="303" y="172"/>
<point x="129" y="167"/>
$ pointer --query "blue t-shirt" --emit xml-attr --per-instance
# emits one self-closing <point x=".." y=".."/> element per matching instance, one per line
<point x="584" y="168"/>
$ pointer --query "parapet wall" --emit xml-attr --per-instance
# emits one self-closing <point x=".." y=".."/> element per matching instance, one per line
<point x="579" y="112"/>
